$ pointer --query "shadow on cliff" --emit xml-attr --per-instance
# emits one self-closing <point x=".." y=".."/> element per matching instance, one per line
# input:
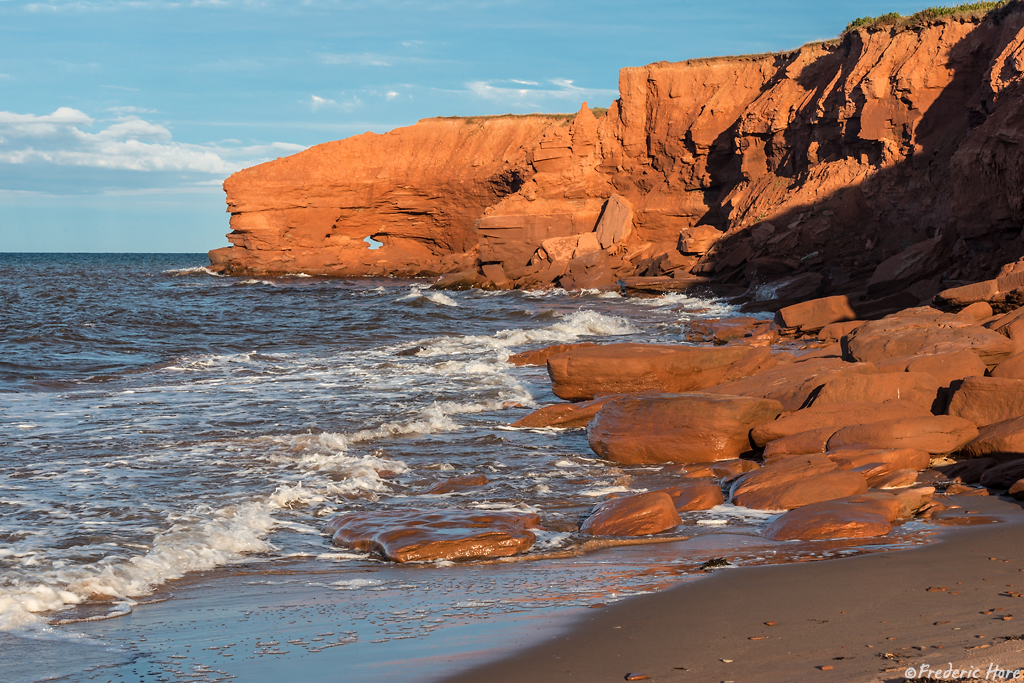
<point x="847" y="234"/>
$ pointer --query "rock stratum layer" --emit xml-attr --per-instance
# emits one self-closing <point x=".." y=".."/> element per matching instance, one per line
<point x="887" y="160"/>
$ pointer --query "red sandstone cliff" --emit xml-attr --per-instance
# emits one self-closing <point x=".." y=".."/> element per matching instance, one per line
<point x="885" y="160"/>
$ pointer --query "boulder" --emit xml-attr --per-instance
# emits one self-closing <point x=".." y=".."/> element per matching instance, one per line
<point x="945" y="367"/>
<point x="564" y="415"/>
<point x="1011" y="368"/>
<point x="590" y="270"/>
<point x="454" y="484"/>
<point x="720" y="331"/>
<point x="860" y="516"/>
<point x="681" y="428"/>
<point x="802" y="443"/>
<point x="616" y="222"/>
<point x="892" y="459"/>
<point x="837" y="415"/>
<point x="695" y="495"/>
<point x="968" y="471"/>
<point x="1003" y="476"/>
<point x="924" y="331"/>
<point x="937" y="434"/>
<point x="428" y="535"/>
<point x="917" y="262"/>
<point x="813" y="315"/>
<point x="913" y="499"/>
<point x="833" y="332"/>
<point x="583" y="373"/>
<point x="791" y="384"/>
<point x="723" y="469"/>
<point x="641" y="515"/>
<point x="1017" y="490"/>
<point x="1002" y="440"/>
<point x="979" y="310"/>
<point x="794" y="482"/>
<point x="540" y="356"/>
<point x="913" y="387"/>
<point x="699" y="239"/>
<point x="897" y="479"/>
<point x="987" y="400"/>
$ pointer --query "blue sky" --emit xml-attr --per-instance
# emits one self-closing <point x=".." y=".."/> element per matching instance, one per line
<point x="119" y="119"/>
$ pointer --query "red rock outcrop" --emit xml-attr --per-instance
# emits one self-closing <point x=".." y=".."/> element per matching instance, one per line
<point x="795" y="482"/>
<point x="885" y="160"/>
<point x="862" y="516"/>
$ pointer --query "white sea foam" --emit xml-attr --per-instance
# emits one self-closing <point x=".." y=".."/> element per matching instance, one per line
<point x="416" y="292"/>
<point x="212" y="539"/>
<point x="583" y="323"/>
<point x="195" y="270"/>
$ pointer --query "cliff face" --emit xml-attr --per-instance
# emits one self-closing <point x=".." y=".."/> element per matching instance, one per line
<point x="888" y="159"/>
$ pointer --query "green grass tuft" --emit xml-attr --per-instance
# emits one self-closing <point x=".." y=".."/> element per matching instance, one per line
<point x="896" y="19"/>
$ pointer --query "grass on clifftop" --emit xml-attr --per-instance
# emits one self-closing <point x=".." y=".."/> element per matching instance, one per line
<point x="895" y="18"/>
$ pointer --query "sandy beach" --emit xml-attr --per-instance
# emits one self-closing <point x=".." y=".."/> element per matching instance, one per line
<point x="865" y="618"/>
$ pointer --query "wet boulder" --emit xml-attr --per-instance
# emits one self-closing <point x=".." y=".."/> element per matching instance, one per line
<point x="540" y="356"/>
<point x="640" y="515"/>
<point x="582" y="374"/>
<point x="456" y="484"/>
<point x="428" y="535"/>
<point x="936" y="434"/>
<point x="693" y="495"/>
<point x="723" y="469"/>
<point x="795" y="482"/>
<point x="564" y="415"/>
<point x="680" y="428"/>
<point x="721" y="331"/>
<point x="987" y="400"/>
<point x="801" y="443"/>
<point x="861" y="516"/>
<point x="892" y="459"/>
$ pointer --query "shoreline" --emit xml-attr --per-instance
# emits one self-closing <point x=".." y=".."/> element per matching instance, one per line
<point x="834" y="619"/>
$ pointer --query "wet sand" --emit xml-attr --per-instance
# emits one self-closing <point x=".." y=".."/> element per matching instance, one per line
<point x="863" y="618"/>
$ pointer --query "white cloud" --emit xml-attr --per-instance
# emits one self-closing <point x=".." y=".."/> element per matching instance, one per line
<point x="537" y="96"/>
<point x="129" y="143"/>
<point x="131" y="110"/>
<point x="390" y="95"/>
<point x="362" y="59"/>
<point x="317" y="103"/>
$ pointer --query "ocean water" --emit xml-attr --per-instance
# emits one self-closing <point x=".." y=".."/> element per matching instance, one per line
<point x="158" y="422"/>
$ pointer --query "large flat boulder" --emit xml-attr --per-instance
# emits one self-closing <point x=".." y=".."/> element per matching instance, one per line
<point x="861" y="516"/>
<point x="987" y="400"/>
<point x="428" y="535"/>
<point x="680" y="428"/>
<point x="924" y="331"/>
<point x="794" y="482"/>
<point x="918" y="388"/>
<point x="936" y="434"/>
<point x="582" y="374"/>
<point x="792" y="384"/>
<point x="801" y="443"/>
<point x="1002" y="440"/>
<point x="834" y="415"/>
<point x="1011" y="368"/>
<point x="641" y="515"/>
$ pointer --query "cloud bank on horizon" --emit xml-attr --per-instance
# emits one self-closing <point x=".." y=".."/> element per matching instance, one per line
<point x="139" y="99"/>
